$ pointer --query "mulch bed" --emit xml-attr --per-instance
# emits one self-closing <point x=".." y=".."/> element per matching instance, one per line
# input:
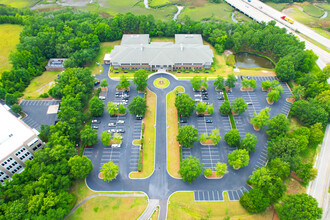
<point x="208" y="142"/>
<point x="269" y="101"/>
<point x="291" y="100"/>
<point x="246" y="89"/>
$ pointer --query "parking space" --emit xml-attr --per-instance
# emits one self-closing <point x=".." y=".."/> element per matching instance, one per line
<point x="235" y="195"/>
<point x="38" y="112"/>
<point x="89" y="152"/>
<point x="110" y="154"/>
<point x="210" y="156"/>
<point x="209" y="195"/>
<point x="134" y="158"/>
<point x="262" y="158"/>
<point x="263" y="78"/>
<point x="254" y="105"/>
<point x="137" y="130"/>
<point x="240" y="124"/>
<point x="186" y="152"/>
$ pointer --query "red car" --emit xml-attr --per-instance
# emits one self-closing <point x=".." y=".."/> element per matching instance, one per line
<point x="96" y="83"/>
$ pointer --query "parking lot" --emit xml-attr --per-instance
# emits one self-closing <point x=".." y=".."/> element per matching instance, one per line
<point x="38" y="112"/>
<point x="127" y="155"/>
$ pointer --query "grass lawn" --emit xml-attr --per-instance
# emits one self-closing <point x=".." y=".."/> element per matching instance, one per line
<point x="155" y="214"/>
<point x="154" y="3"/>
<point x="173" y="154"/>
<point x="105" y="47"/>
<point x="300" y="16"/>
<point x="325" y="6"/>
<point x="220" y="11"/>
<point x="148" y="164"/>
<point x="111" y="208"/>
<point x="161" y="83"/>
<point x="294" y="186"/>
<point x="40" y="84"/>
<point x="182" y="206"/>
<point x="312" y="10"/>
<point x="9" y="39"/>
<point x="277" y="6"/>
<point x="136" y="142"/>
<point x="18" y="3"/>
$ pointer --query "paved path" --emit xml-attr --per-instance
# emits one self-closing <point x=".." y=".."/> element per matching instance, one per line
<point x="106" y="195"/>
<point x="152" y="205"/>
<point x="319" y="187"/>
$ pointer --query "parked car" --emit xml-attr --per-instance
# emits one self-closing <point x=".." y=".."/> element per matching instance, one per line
<point x="205" y="92"/>
<point x="102" y="97"/>
<point x="198" y="100"/>
<point x="139" y="117"/>
<point x="197" y="90"/>
<point x="113" y="116"/>
<point x="208" y="121"/>
<point x="221" y="98"/>
<point x="95" y="127"/>
<point x="120" y="122"/>
<point x="229" y="91"/>
<point x="95" y="121"/>
<point x="120" y="130"/>
<point x="124" y="98"/>
<point x="249" y="103"/>
<point x="118" y="93"/>
<point x="198" y="95"/>
<point x="115" y="145"/>
<point x="96" y="83"/>
<point x="183" y="120"/>
<point x="200" y="115"/>
<point x="112" y="131"/>
<point x="112" y="124"/>
<point x="205" y="98"/>
<point x="118" y="96"/>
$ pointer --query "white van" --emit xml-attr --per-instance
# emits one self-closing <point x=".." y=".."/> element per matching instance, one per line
<point x="116" y="145"/>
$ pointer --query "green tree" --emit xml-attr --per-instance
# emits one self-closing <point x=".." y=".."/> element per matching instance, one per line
<point x="138" y="106"/>
<point x="239" y="106"/>
<point x="210" y="109"/>
<point x="273" y="96"/>
<point x="279" y="168"/>
<point x="3" y="93"/>
<point x="221" y="169"/>
<point x="109" y="171"/>
<point x="104" y="83"/>
<point x="112" y="108"/>
<point x="105" y="138"/>
<point x="11" y="99"/>
<point x="124" y="83"/>
<point x="225" y="108"/>
<point x="16" y="108"/>
<point x="203" y="137"/>
<point x="299" y="206"/>
<point x="233" y="138"/>
<point x="196" y="82"/>
<point x="261" y="119"/>
<point x="96" y="106"/>
<point x="255" y="201"/>
<point x="274" y="84"/>
<point x="215" y="136"/>
<point x="140" y="80"/>
<point x="187" y="136"/>
<point x="121" y="109"/>
<point x="277" y="126"/>
<point x="204" y="83"/>
<point x="208" y="172"/>
<point x="80" y="167"/>
<point x="219" y="83"/>
<point x="265" y="84"/>
<point x="246" y="83"/>
<point x="249" y="142"/>
<point x="306" y="172"/>
<point x="231" y="79"/>
<point x="298" y="92"/>
<point x="88" y="136"/>
<point x="184" y="105"/>
<point x="44" y="132"/>
<point x="238" y="158"/>
<point x="201" y="107"/>
<point x="190" y="169"/>
<point x="316" y="134"/>
<point x="285" y="69"/>
<point x="323" y="99"/>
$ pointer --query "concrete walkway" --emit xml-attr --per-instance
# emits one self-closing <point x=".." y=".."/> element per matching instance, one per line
<point x="152" y="205"/>
<point x="106" y="195"/>
<point x="318" y="188"/>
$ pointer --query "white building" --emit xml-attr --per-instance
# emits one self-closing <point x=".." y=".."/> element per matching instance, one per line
<point x="18" y="142"/>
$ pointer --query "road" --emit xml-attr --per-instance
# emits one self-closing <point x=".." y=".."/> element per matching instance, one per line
<point x="319" y="187"/>
<point x="262" y="12"/>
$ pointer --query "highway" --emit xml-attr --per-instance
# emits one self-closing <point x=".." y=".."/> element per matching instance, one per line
<point x="262" y="12"/>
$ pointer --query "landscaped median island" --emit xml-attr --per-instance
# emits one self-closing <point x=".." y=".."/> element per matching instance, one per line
<point x="173" y="148"/>
<point x="147" y="159"/>
<point x="161" y="83"/>
<point x="182" y="205"/>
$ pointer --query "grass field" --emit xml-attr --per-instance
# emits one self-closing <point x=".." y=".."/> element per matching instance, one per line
<point x="111" y="208"/>
<point x="173" y="155"/>
<point x="325" y="6"/>
<point x="149" y="138"/>
<point x="105" y="47"/>
<point x="277" y="6"/>
<point x="18" y="3"/>
<point x="312" y="10"/>
<point x="155" y="3"/>
<point x="220" y="11"/>
<point x="182" y="206"/>
<point x="40" y="84"/>
<point x="9" y="39"/>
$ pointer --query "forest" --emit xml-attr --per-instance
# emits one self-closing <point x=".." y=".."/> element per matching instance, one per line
<point x="41" y="191"/>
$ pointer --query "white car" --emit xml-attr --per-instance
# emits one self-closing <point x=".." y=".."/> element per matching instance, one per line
<point x="112" y="124"/>
<point x="116" y="145"/>
<point x="120" y="122"/>
<point x="198" y="95"/>
<point x="102" y="97"/>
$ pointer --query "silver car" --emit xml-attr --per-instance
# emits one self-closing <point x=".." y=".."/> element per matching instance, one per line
<point x="120" y="122"/>
<point x="112" y="124"/>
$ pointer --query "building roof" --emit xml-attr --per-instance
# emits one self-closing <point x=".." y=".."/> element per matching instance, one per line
<point x="135" y="39"/>
<point x="163" y="53"/>
<point x="56" y="62"/>
<point x="188" y="39"/>
<point x="13" y="133"/>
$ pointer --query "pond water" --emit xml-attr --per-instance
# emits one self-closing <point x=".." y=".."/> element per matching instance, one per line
<point x="247" y="60"/>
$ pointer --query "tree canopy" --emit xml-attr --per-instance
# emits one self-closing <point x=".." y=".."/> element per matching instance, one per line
<point x="88" y="136"/>
<point x="185" y="105"/>
<point x="96" y="106"/>
<point x="261" y="119"/>
<point x="109" y="171"/>
<point x="239" y="105"/>
<point x="190" y="169"/>
<point x="233" y="138"/>
<point x="140" y="79"/>
<point x="138" y="106"/>
<point x="249" y="142"/>
<point x="225" y="108"/>
<point x="230" y="82"/>
<point x="80" y="167"/>
<point x="277" y="126"/>
<point x="219" y="83"/>
<point x="239" y="158"/>
<point x="196" y="82"/>
<point x="187" y="136"/>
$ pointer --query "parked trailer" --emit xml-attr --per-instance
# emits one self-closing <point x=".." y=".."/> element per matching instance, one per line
<point x="287" y="19"/>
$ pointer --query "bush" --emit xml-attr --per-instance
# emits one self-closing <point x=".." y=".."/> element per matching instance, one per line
<point x="16" y="108"/>
<point x="44" y="95"/>
<point x="208" y="172"/>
